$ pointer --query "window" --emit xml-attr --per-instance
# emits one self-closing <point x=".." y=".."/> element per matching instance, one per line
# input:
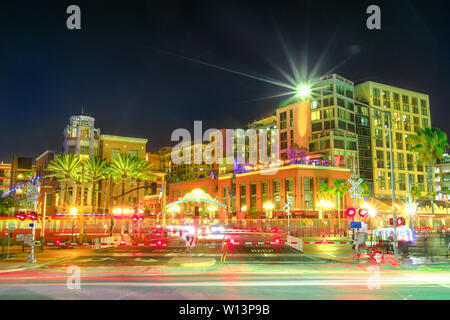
<point x="380" y="158"/>
<point x="276" y="194"/>
<point x="316" y="126"/>
<point x="84" y="149"/>
<point x="351" y="145"/>
<point x="133" y="153"/>
<point x="243" y="193"/>
<point x="114" y="153"/>
<point x="338" y="143"/>
<point x="381" y="180"/>
<point x="308" y="191"/>
<point x="400" y="161"/>
<point x="424" y="122"/>
<point x="376" y="96"/>
<point x="291" y="118"/>
<point x="283" y="123"/>
<point x="264" y="192"/>
<point x="405" y="102"/>
<point x="283" y="140"/>
<point x="396" y="101"/>
<point x="401" y="181"/>
<point x="289" y="190"/>
<point x="410" y="165"/>
<point x="386" y="99"/>
<point x="341" y="102"/>
<point x="415" y="108"/>
<point x="253" y="196"/>
<point x="399" y="140"/>
<point x="378" y="138"/>
<point x="316" y="115"/>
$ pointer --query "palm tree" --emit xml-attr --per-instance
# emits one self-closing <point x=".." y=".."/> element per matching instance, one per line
<point x="143" y="171"/>
<point x="65" y="167"/>
<point x="124" y="168"/>
<point x="96" y="171"/>
<point x="339" y="190"/>
<point x="415" y="192"/>
<point x="429" y="144"/>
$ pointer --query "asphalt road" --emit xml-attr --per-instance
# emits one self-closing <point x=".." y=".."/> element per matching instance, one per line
<point x="249" y="272"/>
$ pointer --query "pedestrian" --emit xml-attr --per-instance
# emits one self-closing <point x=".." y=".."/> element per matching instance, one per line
<point x="427" y="247"/>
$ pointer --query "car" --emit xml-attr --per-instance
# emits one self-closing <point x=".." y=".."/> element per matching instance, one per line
<point x="217" y="229"/>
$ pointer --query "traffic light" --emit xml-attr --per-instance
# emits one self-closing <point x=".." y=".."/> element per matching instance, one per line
<point x="21" y="216"/>
<point x="32" y="215"/>
<point x="363" y="212"/>
<point x="400" y="221"/>
<point x="135" y="218"/>
<point x="350" y="212"/>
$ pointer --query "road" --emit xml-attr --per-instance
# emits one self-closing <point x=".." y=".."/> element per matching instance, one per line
<point x="249" y="272"/>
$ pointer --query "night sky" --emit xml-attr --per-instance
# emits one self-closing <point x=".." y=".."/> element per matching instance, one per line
<point x="123" y="67"/>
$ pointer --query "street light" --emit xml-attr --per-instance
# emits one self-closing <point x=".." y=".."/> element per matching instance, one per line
<point x="268" y="207"/>
<point x="305" y="90"/>
<point x="73" y="211"/>
<point x="411" y="209"/>
<point x="174" y="209"/>
<point x="324" y="205"/>
<point x="212" y="208"/>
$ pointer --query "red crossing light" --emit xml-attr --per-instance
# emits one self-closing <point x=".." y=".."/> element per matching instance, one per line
<point x="400" y="221"/>
<point x="350" y="212"/>
<point x="363" y="212"/>
<point x="21" y="216"/>
<point x="32" y="215"/>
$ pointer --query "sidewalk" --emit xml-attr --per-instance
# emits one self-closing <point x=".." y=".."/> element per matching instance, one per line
<point x="19" y="260"/>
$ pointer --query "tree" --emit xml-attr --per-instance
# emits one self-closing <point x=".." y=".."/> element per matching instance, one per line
<point x="96" y="171"/>
<point x="415" y="192"/>
<point x="429" y="144"/>
<point x="143" y="171"/>
<point x="66" y="168"/>
<point x="338" y="190"/>
<point x="6" y="203"/>
<point x="124" y="168"/>
<point x="296" y="154"/>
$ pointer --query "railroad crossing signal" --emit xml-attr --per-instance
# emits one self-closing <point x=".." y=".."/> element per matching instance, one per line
<point x="355" y="190"/>
<point x="33" y="191"/>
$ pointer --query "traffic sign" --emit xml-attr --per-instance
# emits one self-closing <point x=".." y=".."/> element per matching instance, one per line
<point x="19" y="237"/>
<point x="355" y="190"/>
<point x="31" y="225"/>
<point x="355" y="225"/>
<point x="11" y="226"/>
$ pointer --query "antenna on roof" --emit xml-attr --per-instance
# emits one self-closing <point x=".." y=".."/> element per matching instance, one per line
<point x="82" y="111"/>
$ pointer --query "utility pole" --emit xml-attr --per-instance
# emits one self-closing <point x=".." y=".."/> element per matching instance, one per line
<point x="81" y="204"/>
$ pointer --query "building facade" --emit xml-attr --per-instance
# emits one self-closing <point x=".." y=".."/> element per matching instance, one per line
<point x="81" y="137"/>
<point x="409" y="111"/>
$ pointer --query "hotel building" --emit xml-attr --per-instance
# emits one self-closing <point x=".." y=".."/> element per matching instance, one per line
<point x="409" y="111"/>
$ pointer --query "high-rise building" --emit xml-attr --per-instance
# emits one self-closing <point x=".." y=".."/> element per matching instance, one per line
<point x="333" y="125"/>
<point x="81" y="137"/>
<point x="442" y="172"/>
<point x="5" y="177"/>
<point x="22" y="172"/>
<point x="409" y="111"/>
<point x="49" y="197"/>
